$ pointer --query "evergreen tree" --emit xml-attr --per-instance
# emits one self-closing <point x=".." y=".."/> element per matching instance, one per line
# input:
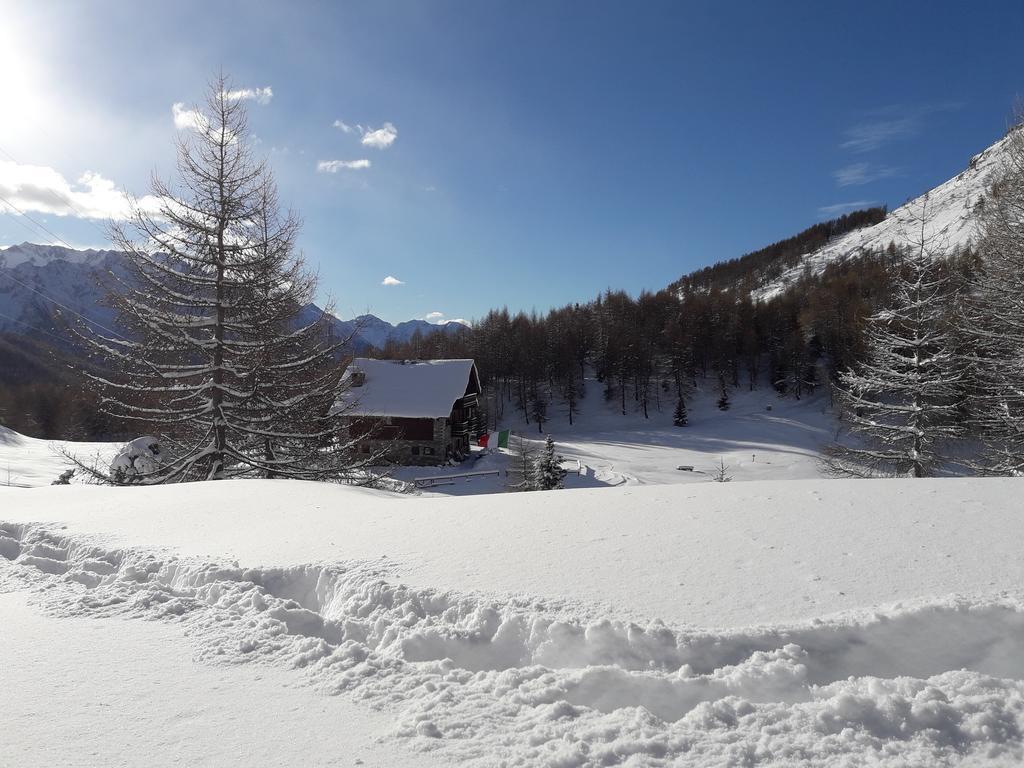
<point x="723" y="397"/>
<point x="902" y="400"/>
<point x="679" y="417"/>
<point x="549" y="468"/>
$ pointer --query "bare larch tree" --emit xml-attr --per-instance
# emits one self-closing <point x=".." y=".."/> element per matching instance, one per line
<point x="218" y="358"/>
<point x="994" y="314"/>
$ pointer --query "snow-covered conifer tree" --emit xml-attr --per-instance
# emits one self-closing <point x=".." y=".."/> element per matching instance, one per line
<point x="679" y="417"/>
<point x="549" y="468"/>
<point x="901" y="402"/>
<point x="218" y="359"/>
<point x="994" y="315"/>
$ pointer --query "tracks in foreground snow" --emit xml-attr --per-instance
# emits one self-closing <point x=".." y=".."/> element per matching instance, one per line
<point x="515" y="682"/>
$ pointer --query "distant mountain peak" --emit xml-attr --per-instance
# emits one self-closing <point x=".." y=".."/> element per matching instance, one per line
<point x="39" y="254"/>
<point x="69" y="276"/>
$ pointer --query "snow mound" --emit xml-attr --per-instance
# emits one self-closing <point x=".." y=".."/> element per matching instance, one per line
<point x="517" y="682"/>
<point x="138" y="457"/>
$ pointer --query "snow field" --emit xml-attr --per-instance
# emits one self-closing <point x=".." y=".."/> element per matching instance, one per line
<point x="755" y="443"/>
<point x="761" y="437"/>
<point x="27" y="462"/>
<point x="520" y="679"/>
<point x="117" y="693"/>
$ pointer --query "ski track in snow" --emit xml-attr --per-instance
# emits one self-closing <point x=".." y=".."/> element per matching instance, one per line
<point x="519" y="682"/>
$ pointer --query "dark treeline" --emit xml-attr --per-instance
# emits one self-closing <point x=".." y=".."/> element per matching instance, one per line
<point x="649" y="352"/>
<point x="42" y="397"/>
<point x="764" y="265"/>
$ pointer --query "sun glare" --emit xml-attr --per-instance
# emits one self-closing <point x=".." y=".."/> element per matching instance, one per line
<point x="22" y="97"/>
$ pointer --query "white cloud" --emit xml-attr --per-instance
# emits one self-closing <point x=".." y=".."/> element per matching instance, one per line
<point x="868" y="136"/>
<point x="863" y="173"/>
<point x="194" y="120"/>
<point x="378" y="138"/>
<point x="188" y="119"/>
<point x="259" y="95"/>
<point x="39" y="189"/>
<point x="900" y="121"/>
<point x="389" y="280"/>
<point x="382" y="137"/>
<point x="438" y="318"/>
<point x="333" y="166"/>
<point x="829" y="211"/>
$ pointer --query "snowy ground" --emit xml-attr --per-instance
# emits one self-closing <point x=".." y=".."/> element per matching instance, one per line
<point x="761" y="437"/>
<point x="88" y="691"/>
<point x="27" y="462"/>
<point x="838" y="622"/>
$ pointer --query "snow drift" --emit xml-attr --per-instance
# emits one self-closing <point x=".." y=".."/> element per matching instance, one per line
<point x="538" y="678"/>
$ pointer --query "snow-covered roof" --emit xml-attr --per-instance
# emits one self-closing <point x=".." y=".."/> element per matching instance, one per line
<point x="407" y="388"/>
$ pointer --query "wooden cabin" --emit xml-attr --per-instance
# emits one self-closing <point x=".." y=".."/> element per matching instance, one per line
<point x="422" y="412"/>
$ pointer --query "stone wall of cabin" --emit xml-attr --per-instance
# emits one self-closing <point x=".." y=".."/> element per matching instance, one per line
<point x="429" y="453"/>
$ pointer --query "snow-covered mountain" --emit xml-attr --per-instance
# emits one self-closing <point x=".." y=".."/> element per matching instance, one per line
<point x="950" y="221"/>
<point x="29" y="271"/>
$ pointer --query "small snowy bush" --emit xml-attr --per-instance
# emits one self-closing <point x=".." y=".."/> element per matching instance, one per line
<point x="138" y="458"/>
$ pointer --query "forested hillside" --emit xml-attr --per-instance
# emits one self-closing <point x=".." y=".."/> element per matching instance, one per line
<point x="790" y="316"/>
<point x="701" y="330"/>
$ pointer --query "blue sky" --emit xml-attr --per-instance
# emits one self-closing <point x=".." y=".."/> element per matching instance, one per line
<point x="526" y="154"/>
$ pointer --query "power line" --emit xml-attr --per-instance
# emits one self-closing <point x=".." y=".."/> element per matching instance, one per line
<point x="70" y="203"/>
<point x="33" y="327"/>
<point x="34" y="232"/>
<point x="44" y="229"/>
<point x="7" y="271"/>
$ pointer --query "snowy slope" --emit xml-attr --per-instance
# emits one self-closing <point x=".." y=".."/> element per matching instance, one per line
<point x="950" y="215"/>
<point x="27" y="462"/>
<point x="795" y="623"/>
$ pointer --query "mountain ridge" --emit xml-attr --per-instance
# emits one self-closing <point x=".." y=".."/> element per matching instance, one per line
<point x="69" y="276"/>
<point x="950" y="226"/>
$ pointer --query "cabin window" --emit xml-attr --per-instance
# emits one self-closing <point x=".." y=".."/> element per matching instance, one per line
<point x="415" y="450"/>
<point x="428" y="451"/>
